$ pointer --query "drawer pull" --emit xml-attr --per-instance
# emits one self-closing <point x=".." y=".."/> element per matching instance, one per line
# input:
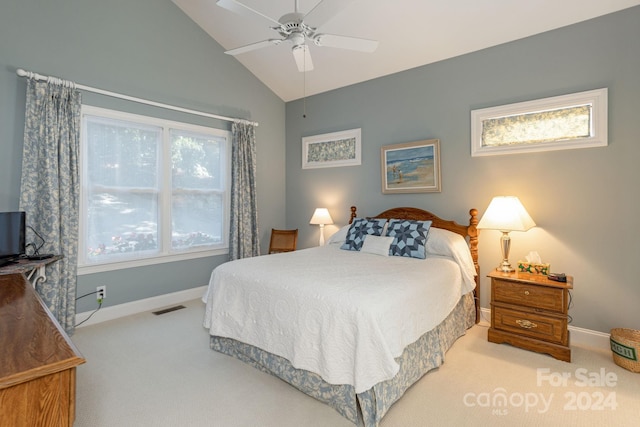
<point x="526" y="324"/>
<point x="526" y="292"/>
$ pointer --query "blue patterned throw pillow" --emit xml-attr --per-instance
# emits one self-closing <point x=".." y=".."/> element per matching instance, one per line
<point x="361" y="227"/>
<point x="409" y="237"/>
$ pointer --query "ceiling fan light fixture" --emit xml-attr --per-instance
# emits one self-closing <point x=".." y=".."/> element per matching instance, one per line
<point x="297" y="39"/>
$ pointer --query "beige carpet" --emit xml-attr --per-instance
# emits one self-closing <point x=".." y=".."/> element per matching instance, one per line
<point x="148" y="370"/>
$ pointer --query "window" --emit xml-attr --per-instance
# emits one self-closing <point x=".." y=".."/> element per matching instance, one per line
<point x="577" y="120"/>
<point x="152" y="190"/>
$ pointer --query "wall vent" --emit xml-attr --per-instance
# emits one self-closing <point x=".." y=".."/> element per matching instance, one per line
<point x="168" y="310"/>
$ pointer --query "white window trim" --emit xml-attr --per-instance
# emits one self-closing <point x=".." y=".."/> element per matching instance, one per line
<point x="161" y="259"/>
<point x="165" y="256"/>
<point x="597" y="98"/>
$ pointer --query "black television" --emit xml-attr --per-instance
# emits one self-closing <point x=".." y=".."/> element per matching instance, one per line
<point x="12" y="234"/>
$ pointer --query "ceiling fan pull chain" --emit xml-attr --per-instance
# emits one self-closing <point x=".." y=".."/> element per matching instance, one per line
<point x="304" y="89"/>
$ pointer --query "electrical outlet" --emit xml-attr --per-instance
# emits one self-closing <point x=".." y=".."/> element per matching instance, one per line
<point x="101" y="293"/>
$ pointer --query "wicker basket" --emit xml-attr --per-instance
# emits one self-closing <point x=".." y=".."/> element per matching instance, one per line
<point x="625" y="345"/>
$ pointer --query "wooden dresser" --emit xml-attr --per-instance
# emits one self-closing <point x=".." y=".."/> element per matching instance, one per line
<point x="37" y="360"/>
<point x="531" y="312"/>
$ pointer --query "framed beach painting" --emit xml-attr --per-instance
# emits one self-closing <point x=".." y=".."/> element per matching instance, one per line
<point x="411" y="167"/>
<point x="332" y="149"/>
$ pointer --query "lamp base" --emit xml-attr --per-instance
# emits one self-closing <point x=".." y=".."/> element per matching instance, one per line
<point x="505" y="268"/>
<point x="505" y="245"/>
<point x="321" y="242"/>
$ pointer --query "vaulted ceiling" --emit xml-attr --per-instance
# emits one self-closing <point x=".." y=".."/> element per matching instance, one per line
<point x="411" y="33"/>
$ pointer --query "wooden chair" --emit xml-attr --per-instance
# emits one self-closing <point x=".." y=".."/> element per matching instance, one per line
<point x="283" y="240"/>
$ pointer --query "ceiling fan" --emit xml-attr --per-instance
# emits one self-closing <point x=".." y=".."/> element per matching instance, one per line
<point x="296" y="28"/>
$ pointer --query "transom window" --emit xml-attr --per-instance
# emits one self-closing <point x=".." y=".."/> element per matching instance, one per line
<point x="152" y="190"/>
<point x="577" y="120"/>
<point x="563" y="124"/>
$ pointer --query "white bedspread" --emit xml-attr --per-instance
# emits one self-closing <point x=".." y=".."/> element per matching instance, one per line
<point x="344" y="315"/>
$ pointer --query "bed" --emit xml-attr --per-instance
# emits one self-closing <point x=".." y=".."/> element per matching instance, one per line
<point x="356" y="322"/>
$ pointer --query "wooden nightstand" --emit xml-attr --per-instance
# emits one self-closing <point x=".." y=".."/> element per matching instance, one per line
<point x="531" y="312"/>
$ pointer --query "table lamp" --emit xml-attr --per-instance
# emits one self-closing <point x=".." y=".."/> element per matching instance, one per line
<point x="506" y="213"/>
<point x="321" y="217"/>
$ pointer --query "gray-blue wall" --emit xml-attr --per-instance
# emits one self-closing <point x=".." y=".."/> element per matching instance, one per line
<point x="148" y="49"/>
<point x="585" y="202"/>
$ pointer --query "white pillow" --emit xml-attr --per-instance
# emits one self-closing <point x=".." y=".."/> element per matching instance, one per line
<point x="441" y="242"/>
<point x="447" y="243"/>
<point x="339" y="236"/>
<point x="377" y="245"/>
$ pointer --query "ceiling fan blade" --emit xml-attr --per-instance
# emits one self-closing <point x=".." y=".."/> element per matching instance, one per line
<point x="325" y="10"/>
<point x="344" y="42"/>
<point x="253" y="46"/>
<point x="243" y="9"/>
<point x="303" y="58"/>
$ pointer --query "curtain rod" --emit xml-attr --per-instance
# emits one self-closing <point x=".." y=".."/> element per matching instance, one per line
<point x="22" y="73"/>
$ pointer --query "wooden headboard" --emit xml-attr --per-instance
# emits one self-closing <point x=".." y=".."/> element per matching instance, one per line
<point x="469" y="232"/>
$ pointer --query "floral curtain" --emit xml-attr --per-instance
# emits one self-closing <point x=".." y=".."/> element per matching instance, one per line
<point x="50" y="187"/>
<point x="243" y="239"/>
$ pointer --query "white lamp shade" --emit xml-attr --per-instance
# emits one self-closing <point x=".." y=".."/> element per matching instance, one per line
<point x="506" y="213"/>
<point x="321" y="216"/>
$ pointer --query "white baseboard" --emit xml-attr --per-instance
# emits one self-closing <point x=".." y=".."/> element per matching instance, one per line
<point x="588" y="338"/>
<point x="140" y="306"/>
<point x="579" y="336"/>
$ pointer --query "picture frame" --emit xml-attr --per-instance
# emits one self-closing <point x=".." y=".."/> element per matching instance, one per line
<point x="411" y="167"/>
<point x="334" y="149"/>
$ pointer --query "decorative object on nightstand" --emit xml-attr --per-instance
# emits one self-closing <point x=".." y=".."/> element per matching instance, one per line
<point x="506" y="213"/>
<point x="530" y="311"/>
<point x="534" y="265"/>
<point x="321" y="217"/>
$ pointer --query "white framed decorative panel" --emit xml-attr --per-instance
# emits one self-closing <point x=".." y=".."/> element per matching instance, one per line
<point x="577" y="120"/>
<point x="332" y="149"/>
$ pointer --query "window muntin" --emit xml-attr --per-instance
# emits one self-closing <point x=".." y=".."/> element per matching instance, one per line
<point x="152" y="190"/>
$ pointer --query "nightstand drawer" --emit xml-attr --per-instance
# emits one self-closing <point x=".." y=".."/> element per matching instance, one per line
<point x="548" y="328"/>
<point x="534" y="296"/>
